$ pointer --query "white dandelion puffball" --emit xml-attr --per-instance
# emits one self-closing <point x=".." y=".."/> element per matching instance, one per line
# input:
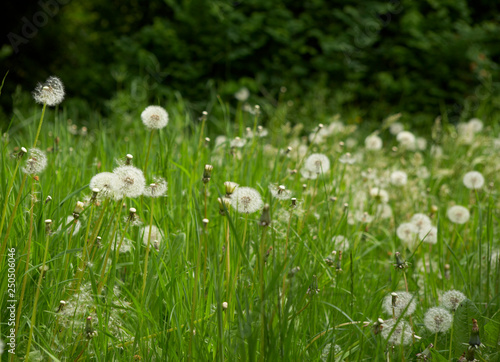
<point x="317" y="163"/>
<point x="475" y="124"/>
<point x="70" y="219"/>
<point x="399" y="178"/>
<point x="36" y="162"/>
<point x="406" y="139"/>
<point x="51" y="92"/>
<point x="373" y="143"/>
<point x="156" y="235"/>
<point x="452" y="299"/>
<point x="340" y="242"/>
<point x="308" y="174"/>
<point x="379" y="195"/>
<point x="132" y="181"/>
<point x="246" y="200"/>
<point x="280" y="192"/>
<point x="403" y="300"/>
<point x="458" y="214"/>
<point x="422" y="222"/>
<point x="396" y="128"/>
<point x="238" y="142"/>
<point x="108" y="185"/>
<point x="384" y="211"/>
<point x="438" y="319"/>
<point x="407" y="232"/>
<point x="242" y="95"/>
<point x="154" y="117"/>
<point x="401" y="332"/>
<point x="473" y="180"/>
<point x="157" y="188"/>
<point x="428" y="236"/>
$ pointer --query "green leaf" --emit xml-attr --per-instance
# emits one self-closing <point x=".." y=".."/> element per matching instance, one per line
<point x="462" y="325"/>
<point x="492" y="332"/>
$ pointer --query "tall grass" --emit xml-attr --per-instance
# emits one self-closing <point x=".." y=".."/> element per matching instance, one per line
<point x="288" y="296"/>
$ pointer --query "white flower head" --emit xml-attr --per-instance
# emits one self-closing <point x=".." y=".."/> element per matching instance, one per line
<point x="154" y="117"/>
<point x="242" y="95"/>
<point x="429" y="236"/>
<point x="340" y="242"/>
<point x="318" y="163"/>
<point x="452" y="299"/>
<point x="406" y="139"/>
<point x="280" y="192"/>
<point x="157" y="188"/>
<point x="396" y="128"/>
<point x="238" y="142"/>
<point x="438" y="319"/>
<point x="404" y="303"/>
<point x="407" y="232"/>
<point x="132" y="181"/>
<point x="108" y="185"/>
<point x="475" y="124"/>
<point x="51" y="92"/>
<point x="36" y="162"/>
<point x="156" y="235"/>
<point x="422" y="222"/>
<point x="458" y="214"/>
<point x="401" y="332"/>
<point x="246" y="200"/>
<point x="399" y="178"/>
<point x="373" y="143"/>
<point x="308" y="174"/>
<point x="473" y="180"/>
<point x="379" y="195"/>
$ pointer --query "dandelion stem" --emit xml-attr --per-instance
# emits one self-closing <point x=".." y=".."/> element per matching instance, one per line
<point x="9" y="189"/>
<point x="37" y="294"/>
<point x="149" y="150"/>
<point x="40" y="125"/>
<point x="262" y="296"/>
<point x="145" y="272"/>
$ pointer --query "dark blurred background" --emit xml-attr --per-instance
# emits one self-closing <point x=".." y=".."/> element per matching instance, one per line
<point x="424" y="58"/>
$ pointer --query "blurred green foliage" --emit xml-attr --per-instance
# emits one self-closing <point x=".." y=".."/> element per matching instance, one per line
<point x="421" y="57"/>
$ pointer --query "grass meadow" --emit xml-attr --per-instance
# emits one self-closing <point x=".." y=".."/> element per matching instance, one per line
<point x="347" y="238"/>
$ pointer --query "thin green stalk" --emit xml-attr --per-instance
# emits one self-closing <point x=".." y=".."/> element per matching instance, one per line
<point x="149" y="150"/>
<point x="9" y="189"/>
<point x="145" y="272"/>
<point x="40" y="125"/>
<point x="262" y="296"/>
<point x="37" y="295"/>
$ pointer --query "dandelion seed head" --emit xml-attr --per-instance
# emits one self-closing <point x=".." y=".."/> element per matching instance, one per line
<point x="475" y="124"/>
<point x="473" y="180"/>
<point x="154" y="117"/>
<point x="428" y="236"/>
<point x="401" y="332"/>
<point x="132" y="181"/>
<point x="246" y="200"/>
<point x="238" y="142"/>
<point x="373" y="143"/>
<point x="36" y="162"/>
<point x="422" y="222"/>
<point x="396" y="128"/>
<point x="403" y="300"/>
<point x="406" y="139"/>
<point x="51" y="92"/>
<point x="438" y="319"/>
<point x="379" y="195"/>
<point x="452" y="299"/>
<point x="458" y="214"/>
<point x="317" y="163"/>
<point x="280" y="192"/>
<point x="107" y="184"/>
<point x="407" y="232"/>
<point x="242" y="95"/>
<point x="399" y="178"/>
<point x="156" y="234"/>
<point x="156" y="189"/>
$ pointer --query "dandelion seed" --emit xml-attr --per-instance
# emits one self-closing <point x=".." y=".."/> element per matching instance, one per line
<point x="132" y="181"/>
<point x="473" y="180"/>
<point x="438" y="319"/>
<point x="107" y="185"/>
<point x="399" y="178"/>
<point x="36" y="162"/>
<point x="452" y="299"/>
<point x="154" y="117"/>
<point x="51" y="92"/>
<point x="242" y="94"/>
<point x="401" y="332"/>
<point x="156" y="189"/>
<point x="246" y="200"/>
<point x="373" y="143"/>
<point x="317" y="163"/>
<point x="458" y="214"/>
<point x="403" y="301"/>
